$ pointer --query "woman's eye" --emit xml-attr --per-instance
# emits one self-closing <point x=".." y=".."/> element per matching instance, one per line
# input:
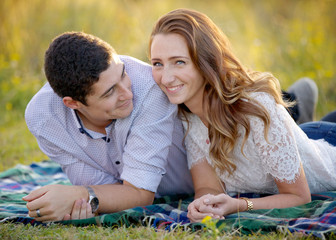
<point x="157" y="64"/>
<point x="180" y="62"/>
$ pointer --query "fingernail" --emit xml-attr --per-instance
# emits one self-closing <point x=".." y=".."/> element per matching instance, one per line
<point x="206" y="200"/>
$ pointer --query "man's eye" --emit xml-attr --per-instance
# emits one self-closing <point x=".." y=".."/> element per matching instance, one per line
<point x="123" y="76"/>
<point x="110" y="93"/>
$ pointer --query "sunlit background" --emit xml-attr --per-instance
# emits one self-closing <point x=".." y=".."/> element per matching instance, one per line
<point x="290" y="38"/>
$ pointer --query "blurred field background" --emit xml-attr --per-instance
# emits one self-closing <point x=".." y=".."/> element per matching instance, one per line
<point x="289" y="38"/>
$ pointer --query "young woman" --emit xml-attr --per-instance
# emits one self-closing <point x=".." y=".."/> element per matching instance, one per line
<point x="239" y="136"/>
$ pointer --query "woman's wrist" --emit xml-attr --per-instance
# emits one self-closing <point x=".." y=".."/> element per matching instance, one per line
<point x="247" y="204"/>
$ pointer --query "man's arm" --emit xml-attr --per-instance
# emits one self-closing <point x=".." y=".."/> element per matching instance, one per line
<point x="149" y="141"/>
<point x="114" y="198"/>
<point x="56" y="201"/>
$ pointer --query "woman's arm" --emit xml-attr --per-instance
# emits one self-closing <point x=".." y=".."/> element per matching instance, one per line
<point x="205" y="179"/>
<point x="205" y="182"/>
<point x="290" y="195"/>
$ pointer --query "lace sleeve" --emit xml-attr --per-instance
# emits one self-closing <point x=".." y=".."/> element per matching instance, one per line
<point x="196" y="141"/>
<point x="279" y="155"/>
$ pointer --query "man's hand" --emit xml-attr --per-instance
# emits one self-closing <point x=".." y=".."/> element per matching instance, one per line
<point x="56" y="202"/>
<point x="80" y="210"/>
<point x="53" y="201"/>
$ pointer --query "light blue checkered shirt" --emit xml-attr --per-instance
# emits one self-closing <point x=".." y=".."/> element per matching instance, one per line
<point x="144" y="149"/>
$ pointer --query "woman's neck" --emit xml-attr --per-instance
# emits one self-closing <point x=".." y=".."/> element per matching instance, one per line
<point x="197" y="109"/>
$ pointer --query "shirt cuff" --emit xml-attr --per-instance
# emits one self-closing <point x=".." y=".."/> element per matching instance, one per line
<point x="141" y="178"/>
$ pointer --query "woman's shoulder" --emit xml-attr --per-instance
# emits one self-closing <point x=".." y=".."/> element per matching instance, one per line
<point x="194" y="126"/>
<point x="261" y="97"/>
<point x="264" y="99"/>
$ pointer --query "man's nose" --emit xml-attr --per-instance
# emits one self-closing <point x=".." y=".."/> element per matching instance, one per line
<point x="126" y="90"/>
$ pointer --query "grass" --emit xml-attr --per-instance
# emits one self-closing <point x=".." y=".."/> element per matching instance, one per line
<point x="289" y="38"/>
<point x="19" y="231"/>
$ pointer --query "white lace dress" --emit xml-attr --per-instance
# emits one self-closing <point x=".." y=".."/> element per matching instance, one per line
<point x="280" y="158"/>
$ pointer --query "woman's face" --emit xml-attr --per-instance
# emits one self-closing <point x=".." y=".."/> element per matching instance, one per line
<point x="175" y="72"/>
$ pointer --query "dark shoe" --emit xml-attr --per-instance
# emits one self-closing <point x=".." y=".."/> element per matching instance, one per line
<point x="306" y="92"/>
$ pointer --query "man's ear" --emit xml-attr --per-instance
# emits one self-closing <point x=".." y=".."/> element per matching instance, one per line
<point x="70" y="103"/>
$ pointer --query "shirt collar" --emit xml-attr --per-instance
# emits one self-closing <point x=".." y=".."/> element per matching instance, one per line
<point x="79" y="124"/>
<point x="90" y="133"/>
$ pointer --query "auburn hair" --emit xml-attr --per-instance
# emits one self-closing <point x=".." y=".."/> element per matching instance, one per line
<point x="228" y="84"/>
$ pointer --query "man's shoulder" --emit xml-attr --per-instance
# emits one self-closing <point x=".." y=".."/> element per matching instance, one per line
<point x="128" y="60"/>
<point x="143" y="83"/>
<point x="140" y="72"/>
<point x="45" y="106"/>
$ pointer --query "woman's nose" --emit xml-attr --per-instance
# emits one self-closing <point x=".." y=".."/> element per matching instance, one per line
<point x="167" y="76"/>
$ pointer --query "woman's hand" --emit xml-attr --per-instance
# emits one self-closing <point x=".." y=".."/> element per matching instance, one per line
<point x="222" y="205"/>
<point x="197" y="210"/>
<point x="215" y="206"/>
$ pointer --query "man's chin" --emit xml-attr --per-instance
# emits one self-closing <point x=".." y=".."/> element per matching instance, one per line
<point x="127" y="112"/>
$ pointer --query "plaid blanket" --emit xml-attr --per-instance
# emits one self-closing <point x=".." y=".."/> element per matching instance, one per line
<point x="317" y="218"/>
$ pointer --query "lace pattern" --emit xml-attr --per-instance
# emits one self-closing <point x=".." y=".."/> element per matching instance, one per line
<point x="265" y="160"/>
<point x="279" y="154"/>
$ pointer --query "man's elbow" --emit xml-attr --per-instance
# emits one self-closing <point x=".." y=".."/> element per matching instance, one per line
<point x="147" y="198"/>
<point x="307" y="199"/>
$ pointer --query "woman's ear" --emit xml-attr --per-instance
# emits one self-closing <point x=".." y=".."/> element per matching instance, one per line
<point x="70" y="103"/>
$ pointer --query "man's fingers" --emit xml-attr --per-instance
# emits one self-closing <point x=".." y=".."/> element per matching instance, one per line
<point x="76" y="209"/>
<point x="83" y="210"/>
<point x="41" y="215"/>
<point x="36" y="204"/>
<point x="35" y="194"/>
<point x="67" y="217"/>
<point x="35" y="213"/>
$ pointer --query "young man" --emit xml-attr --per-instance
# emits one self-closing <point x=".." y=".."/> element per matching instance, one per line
<point x="111" y="128"/>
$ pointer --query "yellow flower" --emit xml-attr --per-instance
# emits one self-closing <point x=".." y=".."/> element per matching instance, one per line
<point x="206" y="219"/>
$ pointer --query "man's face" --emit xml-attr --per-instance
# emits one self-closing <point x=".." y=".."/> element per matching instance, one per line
<point x="112" y="98"/>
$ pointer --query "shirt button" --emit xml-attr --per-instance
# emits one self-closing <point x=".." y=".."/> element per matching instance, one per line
<point x="117" y="162"/>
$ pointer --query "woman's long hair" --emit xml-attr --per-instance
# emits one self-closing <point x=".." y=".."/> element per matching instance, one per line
<point x="226" y="100"/>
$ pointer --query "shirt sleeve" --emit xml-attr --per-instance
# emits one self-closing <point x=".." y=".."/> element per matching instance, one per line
<point x="149" y="141"/>
<point x="78" y="172"/>
<point x="279" y="154"/>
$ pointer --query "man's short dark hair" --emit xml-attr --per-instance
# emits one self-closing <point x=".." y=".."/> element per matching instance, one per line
<point x="73" y="63"/>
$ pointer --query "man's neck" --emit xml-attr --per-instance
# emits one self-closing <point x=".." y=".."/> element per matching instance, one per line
<point x="89" y="125"/>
